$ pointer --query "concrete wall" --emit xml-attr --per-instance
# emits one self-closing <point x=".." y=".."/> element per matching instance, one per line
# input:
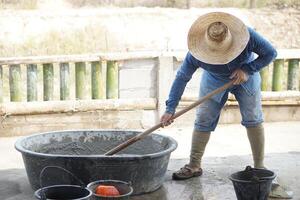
<point x="135" y="119"/>
<point x="231" y="114"/>
<point x="29" y="124"/>
<point x="137" y="78"/>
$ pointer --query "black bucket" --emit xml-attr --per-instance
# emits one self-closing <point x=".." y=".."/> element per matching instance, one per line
<point x="59" y="192"/>
<point x="124" y="189"/>
<point x="252" y="183"/>
<point x="56" y="192"/>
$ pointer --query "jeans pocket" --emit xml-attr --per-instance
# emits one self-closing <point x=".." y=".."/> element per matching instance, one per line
<point x="252" y="85"/>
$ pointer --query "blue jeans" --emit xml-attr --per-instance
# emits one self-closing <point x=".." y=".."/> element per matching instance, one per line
<point x="208" y="113"/>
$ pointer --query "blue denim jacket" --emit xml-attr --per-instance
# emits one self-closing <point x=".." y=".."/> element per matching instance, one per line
<point x="218" y="75"/>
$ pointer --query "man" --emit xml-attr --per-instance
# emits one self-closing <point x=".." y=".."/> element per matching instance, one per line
<point x="224" y="47"/>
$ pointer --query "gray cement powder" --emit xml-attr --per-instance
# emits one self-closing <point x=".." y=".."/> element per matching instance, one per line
<point x="98" y="147"/>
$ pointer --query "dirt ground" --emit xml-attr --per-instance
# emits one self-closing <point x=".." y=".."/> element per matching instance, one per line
<point x="58" y="30"/>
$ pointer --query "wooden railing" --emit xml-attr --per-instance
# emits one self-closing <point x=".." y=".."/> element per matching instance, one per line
<point x="120" y="90"/>
<point x="102" y="85"/>
<point x="95" y="77"/>
<point x="78" y="77"/>
<point x="286" y="59"/>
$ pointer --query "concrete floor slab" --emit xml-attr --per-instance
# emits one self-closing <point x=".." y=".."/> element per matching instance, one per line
<point x="228" y="151"/>
<point x="212" y="185"/>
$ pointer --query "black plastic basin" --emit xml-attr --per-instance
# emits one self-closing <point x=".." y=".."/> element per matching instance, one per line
<point x="144" y="163"/>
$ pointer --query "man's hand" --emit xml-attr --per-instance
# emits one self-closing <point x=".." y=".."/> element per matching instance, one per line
<point x="239" y="77"/>
<point x="166" y="119"/>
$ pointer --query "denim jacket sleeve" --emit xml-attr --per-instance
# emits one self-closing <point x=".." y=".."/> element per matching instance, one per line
<point x="183" y="75"/>
<point x="265" y="51"/>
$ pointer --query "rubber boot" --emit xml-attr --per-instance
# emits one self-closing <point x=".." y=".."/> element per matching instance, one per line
<point x="193" y="169"/>
<point x="257" y="142"/>
<point x="256" y="138"/>
<point x="199" y="142"/>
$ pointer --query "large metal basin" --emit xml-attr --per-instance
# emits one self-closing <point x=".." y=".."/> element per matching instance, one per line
<point x="144" y="164"/>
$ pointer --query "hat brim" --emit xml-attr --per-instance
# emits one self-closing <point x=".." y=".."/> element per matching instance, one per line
<point x="200" y="50"/>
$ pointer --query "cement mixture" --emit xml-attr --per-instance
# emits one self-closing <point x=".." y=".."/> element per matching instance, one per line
<point x="99" y="147"/>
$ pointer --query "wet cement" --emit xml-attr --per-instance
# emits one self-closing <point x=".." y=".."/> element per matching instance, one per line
<point x="99" y="147"/>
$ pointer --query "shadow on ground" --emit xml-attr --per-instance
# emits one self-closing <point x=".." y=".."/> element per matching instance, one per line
<point x="213" y="185"/>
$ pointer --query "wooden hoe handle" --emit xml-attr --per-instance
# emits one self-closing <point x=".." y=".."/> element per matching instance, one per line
<point x="157" y="126"/>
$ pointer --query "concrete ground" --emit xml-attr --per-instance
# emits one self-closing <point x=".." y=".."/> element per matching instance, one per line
<point x="227" y="152"/>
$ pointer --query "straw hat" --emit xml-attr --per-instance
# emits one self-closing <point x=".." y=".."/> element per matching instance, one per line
<point x="217" y="38"/>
